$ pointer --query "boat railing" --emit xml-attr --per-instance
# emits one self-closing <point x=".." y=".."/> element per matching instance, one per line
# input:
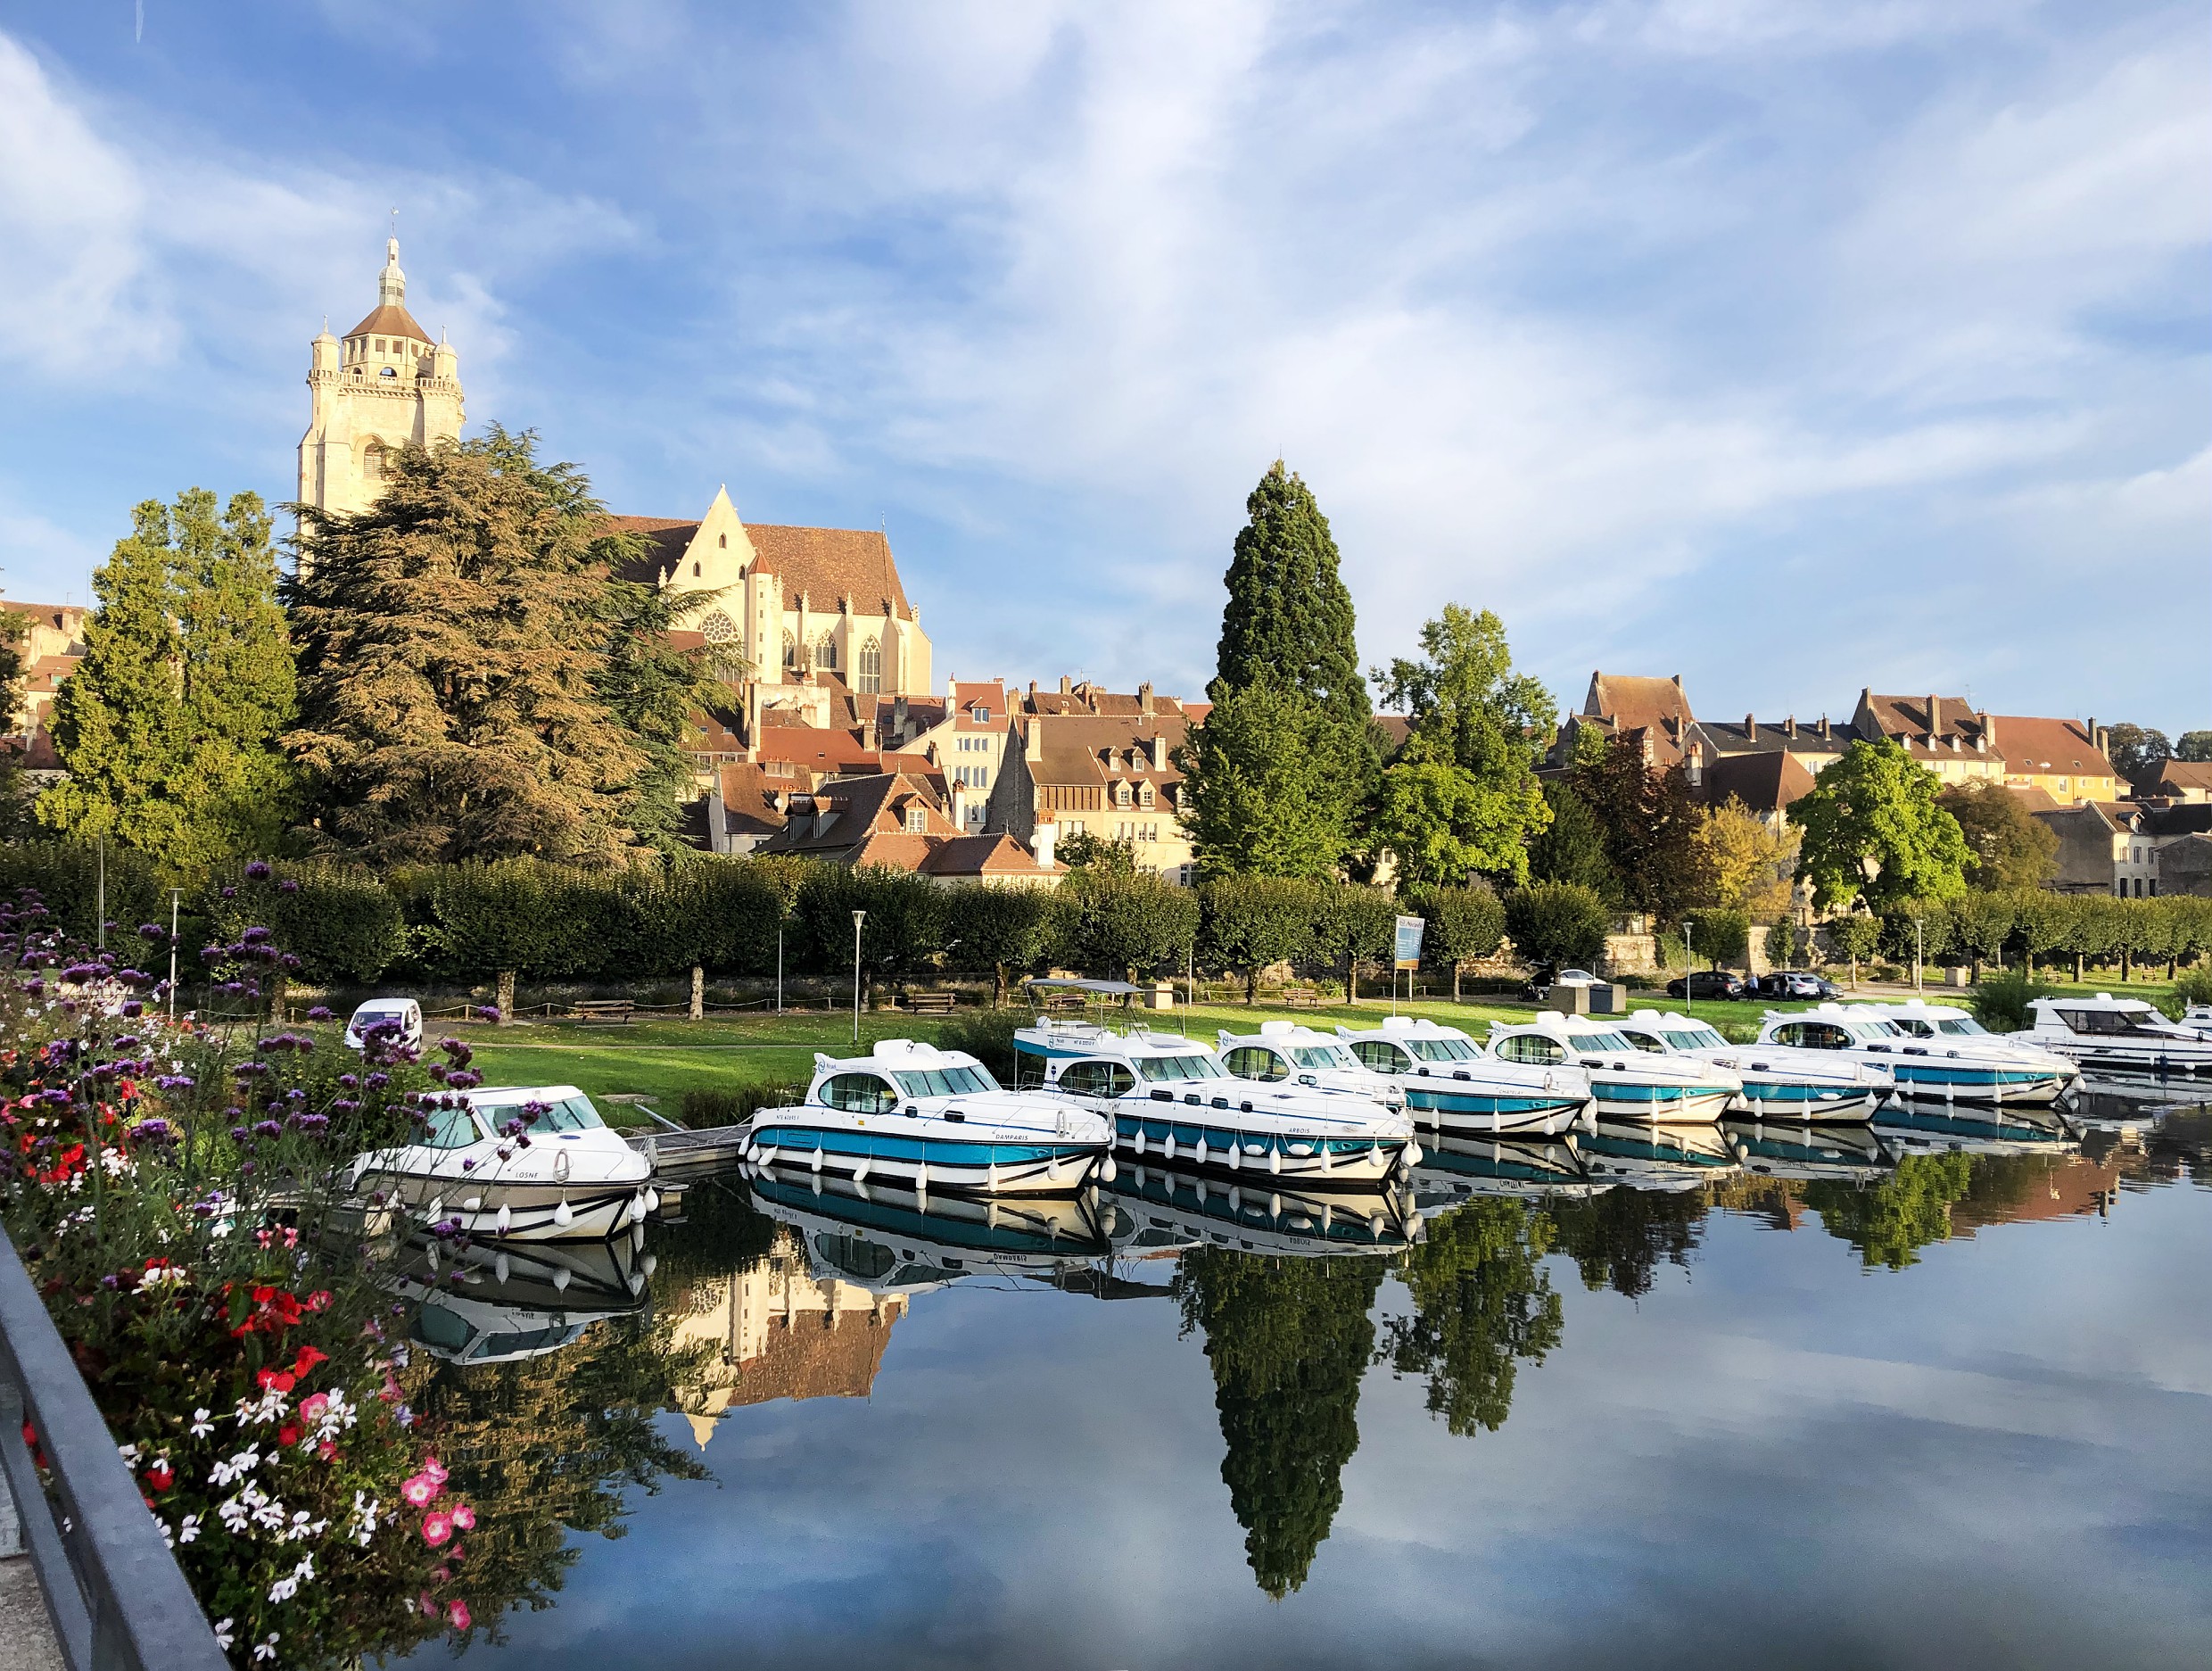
<point x="115" y="1594"/>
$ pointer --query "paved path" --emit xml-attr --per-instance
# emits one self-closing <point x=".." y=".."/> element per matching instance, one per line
<point x="26" y="1633"/>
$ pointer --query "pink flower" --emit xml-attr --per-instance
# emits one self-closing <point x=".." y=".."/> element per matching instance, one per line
<point x="464" y="1516"/>
<point x="419" y="1489"/>
<point x="313" y="1405"/>
<point x="437" y="1527"/>
<point x="434" y="1469"/>
<point x="456" y="1615"/>
<point x="428" y="1605"/>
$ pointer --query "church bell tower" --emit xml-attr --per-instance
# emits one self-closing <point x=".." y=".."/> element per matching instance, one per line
<point x="385" y="384"/>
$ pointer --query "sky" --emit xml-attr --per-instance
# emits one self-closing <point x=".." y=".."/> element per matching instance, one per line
<point x="1793" y="346"/>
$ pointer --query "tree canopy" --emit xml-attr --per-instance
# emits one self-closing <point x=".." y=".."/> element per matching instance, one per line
<point x="1749" y="865"/>
<point x="1572" y="849"/>
<point x="169" y="726"/>
<point x="1652" y="827"/>
<point x="1873" y="829"/>
<point x="1289" y="620"/>
<point x="2136" y="750"/>
<point x="2012" y="846"/>
<point x="1269" y="786"/>
<point x="2194" y="746"/>
<point x="454" y="666"/>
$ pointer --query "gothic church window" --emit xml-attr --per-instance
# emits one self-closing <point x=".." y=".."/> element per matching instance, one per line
<point x="718" y="628"/>
<point x="826" y="653"/>
<point x="790" y="650"/>
<point x="870" y="668"/>
<point x="373" y="461"/>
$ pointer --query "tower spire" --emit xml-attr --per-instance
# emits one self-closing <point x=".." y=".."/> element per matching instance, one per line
<point x="391" y="283"/>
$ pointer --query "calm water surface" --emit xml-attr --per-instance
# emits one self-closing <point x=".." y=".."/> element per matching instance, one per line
<point x="1903" y="1404"/>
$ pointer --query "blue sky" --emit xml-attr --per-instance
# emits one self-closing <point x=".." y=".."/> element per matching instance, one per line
<point x="1791" y="345"/>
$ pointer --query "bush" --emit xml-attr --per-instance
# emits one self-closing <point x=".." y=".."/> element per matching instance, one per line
<point x="1247" y="922"/>
<point x="734" y="1104"/>
<point x="1464" y="924"/>
<point x="1557" y="924"/>
<point x="345" y="924"/>
<point x="987" y="1035"/>
<point x="1719" y="935"/>
<point x="2000" y="1002"/>
<point x="2191" y="985"/>
<point x="66" y="877"/>
<point x="1122" y="926"/>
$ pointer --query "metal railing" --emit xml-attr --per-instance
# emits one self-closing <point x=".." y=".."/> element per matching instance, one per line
<point x="117" y="1598"/>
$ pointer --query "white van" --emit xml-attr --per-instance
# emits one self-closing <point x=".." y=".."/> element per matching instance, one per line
<point x="406" y="1012"/>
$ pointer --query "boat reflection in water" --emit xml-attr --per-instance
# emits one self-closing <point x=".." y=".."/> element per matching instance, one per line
<point x="1976" y="1128"/>
<point x="500" y="1302"/>
<point x="891" y="1240"/>
<point x="1852" y="1152"/>
<point x="1457" y="1169"/>
<point x="1164" y="1208"/>
<point x="1659" y="1158"/>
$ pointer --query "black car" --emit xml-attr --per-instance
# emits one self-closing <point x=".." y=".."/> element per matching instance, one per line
<point x="1796" y="983"/>
<point x="1708" y="983"/>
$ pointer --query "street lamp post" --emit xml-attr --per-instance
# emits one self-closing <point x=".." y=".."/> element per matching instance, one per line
<point x="859" y="917"/>
<point x="780" y="921"/>
<point x="1919" y="954"/>
<point x="175" y="895"/>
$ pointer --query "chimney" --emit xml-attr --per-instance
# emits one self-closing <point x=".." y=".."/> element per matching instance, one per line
<point x="1041" y="843"/>
<point x="1935" y="719"/>
<point x="1751" y="729"/>
<point x="1825" y="732"/>
<point x="1159" y="753"/>
<point x="957" y="792"/>
<point x="1033" y="740"/>
<point x="1697" y="764"/>
<point x="1144" y="699"/>
<point x="1989" y="729"/>
<point x="1067" y="685"/>
<point x="1789" y="726"/>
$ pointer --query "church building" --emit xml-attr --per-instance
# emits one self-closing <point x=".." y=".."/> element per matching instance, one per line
<point x="385" y="384"/>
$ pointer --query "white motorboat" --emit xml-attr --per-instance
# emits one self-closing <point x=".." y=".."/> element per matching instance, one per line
<point x="1780" y="1082"/>
<point x="488" y="1301"/>
<point x="1945" y="1072"/>
<point x="891" y="1240"/>
<point x="1284" y="1053"/>
<point x="912" y="1116"/>
<point x="1453" y="1087"/>
<point x="2121" y="1038"/>
<point x="1178" y="1208"/>
<point x="1455" y="1169"/>
<point x="1173" y="1103"/>
<point x="1945" y="1023"/>
<point x="526" y="1163"/>
<point x="1626" y="1083"/>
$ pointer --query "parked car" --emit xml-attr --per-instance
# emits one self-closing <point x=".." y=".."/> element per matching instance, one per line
<point x="1709" y="983"/>
<point x="1796" y="983"/>
<point x="404" y="1014"/>
<point x="1541" y="981"/>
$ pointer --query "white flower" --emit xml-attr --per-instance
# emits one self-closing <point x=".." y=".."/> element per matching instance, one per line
<point x="239" y="1466"/>
<point x="200" y="1426"/>
<point x="130" y="1453"/>
<point x="266" y="1649"/>
<point x="168" y="1536"/>
<point x="190" y="1530"/>
<point x="283" y="1589"/>
<point x="223" y="1638"/>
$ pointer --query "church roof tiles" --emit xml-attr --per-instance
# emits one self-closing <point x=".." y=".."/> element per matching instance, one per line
<point x="390" y="320"/>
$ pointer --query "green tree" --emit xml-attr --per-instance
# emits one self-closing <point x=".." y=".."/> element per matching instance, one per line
<point x="1464" y="924"/>
<point x="1720" y="935"/>
<point x="1874" y="830"/>
<point x="14" y="629"/>
<point x="1085" y="851"/>
<point x="2195" y="746"/>
<point x="2041" y="923"/>
<point x="1572" y="849"/>
<point x="1289" y="1340"/>
<point x="1250" y="922"/>
<point x="1556" y="925"/>
<point x="1355" y="923"/>
<point x="1652" y="827"/>
<point x="1123" y="925"/>
<point x="1618" y="1239"/>
<point x="168" y="728"/>
<point x="1983" y="922"/>
<point x="903" y="928"/>
<point x="1268" y="787"/>
<point x="453" y="656"/>
<point x="346" y="924"/>
<point x="2012" y="846"/>
<point x="2136" y="750"/>
<point x="1481" y="1303"/>
<point x="1289" y="622"/>
<point x="654" y="689"/>
<point x="1854" y="938"/>
<point x="998" y="928"/>
<point x="1464" y="795"/>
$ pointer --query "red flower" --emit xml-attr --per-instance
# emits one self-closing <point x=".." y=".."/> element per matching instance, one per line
<point x="288" y="1435"/>
<point x="437" y="1527"/>
<point x="318" y="1300"/>
<point x="307" y="1358"/>
<point x="161" y="1476"/>
<point x="276" y="1379"/>
<point x="327" y="1450"/>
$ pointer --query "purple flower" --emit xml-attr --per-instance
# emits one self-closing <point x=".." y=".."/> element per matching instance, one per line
<point x="257" y="870"/>
<point x="255" y="936"/>
<point x="133" y="1009"/>
<point x="156" y="1128"/>
<point x="490" y="1013"/>
<point x="249" y="1070"/>
<point x="175" y="1082"/>
<point x="342" y="1105"/>
<point x="350" y="1081"/>
<point x="377" y="1081"/>
<point x="318" y="1014"/>
<point x="240" y="1133"/>
<point x="151" y="931"/>
<point x="230" y="893"/>
<point x="288" y="886"/>
<point x="313" y="1122"/>
<point x="267" y="1129"/>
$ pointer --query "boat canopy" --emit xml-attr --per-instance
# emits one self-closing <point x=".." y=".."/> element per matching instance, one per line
<point x="1069" y="983"/>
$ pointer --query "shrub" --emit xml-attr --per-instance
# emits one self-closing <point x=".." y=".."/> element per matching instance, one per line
<point x="1247" y="922"/>
<point x="1122" y="926"/>
<point x="1719" y="935"/>
<point x="2191" y="985"/>
<point x="1557" y="924"/>
<point x="2000" y="1002"/>
<point x="346" y="924"/>
<point x="1464" y="924"/>
<point x="734" y="1104"/>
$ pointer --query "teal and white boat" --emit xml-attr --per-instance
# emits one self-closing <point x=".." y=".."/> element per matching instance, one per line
<point x="912" y="1116"/>
<point x="1174" y="1104"/>
<point x="1664" y="1159"/>
<point x="1847" y="1153"/>
<point x="891" y="1240"/>
<point x="1939" y="1070"/>
<point x="1185" y="1208"/>
<point x="1780" y="1082"/>
<point x="1626" y="1083"/>
<point x="1455" y="1089"/>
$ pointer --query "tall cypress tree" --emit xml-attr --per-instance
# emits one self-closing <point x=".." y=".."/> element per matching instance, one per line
<point x="1290" y="622"/>
<point x="168" y="727"/>
<point x="452" y="643"/>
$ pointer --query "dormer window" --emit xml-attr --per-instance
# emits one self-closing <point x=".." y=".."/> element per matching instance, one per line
<point x="917" y="821"/>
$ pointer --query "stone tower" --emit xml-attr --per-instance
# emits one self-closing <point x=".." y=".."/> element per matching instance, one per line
<point x="385" y="384"/>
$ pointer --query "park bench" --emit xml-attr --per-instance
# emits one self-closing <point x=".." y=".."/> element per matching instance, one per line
<point x="1061" y="1003"/>
<point x="930" y="1003"/>
<point x="604" y="1012"/>
<point x="1301" y="999"/>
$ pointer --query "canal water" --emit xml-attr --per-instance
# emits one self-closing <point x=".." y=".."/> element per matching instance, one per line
<point x="1940" y="1399"/>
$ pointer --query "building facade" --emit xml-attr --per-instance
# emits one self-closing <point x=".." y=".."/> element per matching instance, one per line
<point x="385" y="385"/>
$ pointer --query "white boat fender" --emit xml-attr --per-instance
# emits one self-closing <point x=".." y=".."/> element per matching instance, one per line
<point x="1107" y="1170"/>
<point x="502" y="1222"/>
<point x="652" y="1199"/>
<point x="1167" y="1144"/>
<point x="1413" y="1154"/>
<point x="562" y="1216"/>
<point x="859" y="1172"/>
<point x="437" y="1209"/>
<point x="1236" y="1153"/>
<point x="561" y="1280"/>
<point x="1274" y="1158"/>
<point x="500" y="1268"/>
<point x="1274" y="1206"/>
<point x="816" y="1162"/>
<point x="1197" y="1155"/>
<point x="921" y="1176"/>
<point x="1375" y="1225"/>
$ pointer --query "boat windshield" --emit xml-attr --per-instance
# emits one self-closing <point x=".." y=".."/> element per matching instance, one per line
<point x="450" y="1129"/>
<point x="1965" y="1027"/>
<point x="954" y="1080"/>
<point x="1877" y="1029"/>
<point x="569" y="1113"/>
<point x="1442" y="1049"/>
<point x="1194" y="1066"/>
<point x="1912" y="1024"/>
<point x="1599" y="1041"/>
<point x="1693" y="1039"/>
<point x="1322" y="1056"/>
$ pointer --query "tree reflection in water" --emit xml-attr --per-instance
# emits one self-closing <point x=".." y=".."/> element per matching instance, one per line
<point x="1889" y="1222"/>
<point x="1618" y="1239"/>
<point x="1482" y="1301"/>
<point x="1289" y="1340"/>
